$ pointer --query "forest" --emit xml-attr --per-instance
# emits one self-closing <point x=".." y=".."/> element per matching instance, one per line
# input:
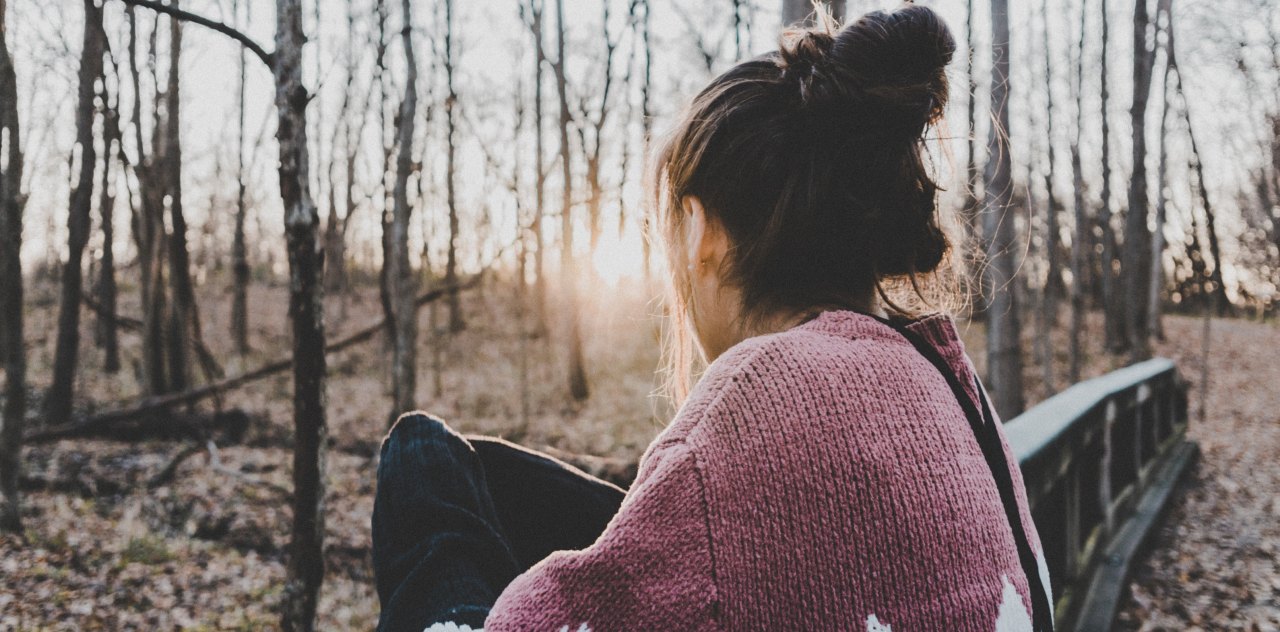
<point x="239" y="237"/>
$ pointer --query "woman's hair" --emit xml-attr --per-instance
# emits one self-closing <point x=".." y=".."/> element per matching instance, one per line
<point x="812" y="159"/>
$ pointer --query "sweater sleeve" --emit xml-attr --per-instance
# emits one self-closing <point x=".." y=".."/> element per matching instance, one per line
<point x="651" y="568"/>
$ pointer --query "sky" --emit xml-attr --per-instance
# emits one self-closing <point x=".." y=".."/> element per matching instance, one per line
<point x="494" y="63"/>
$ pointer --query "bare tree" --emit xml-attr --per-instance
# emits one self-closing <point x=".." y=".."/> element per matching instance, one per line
<point x="306" y="310"/>
<point x="59" y="399"/>
<point x="305" y="569"/>
<point x="148" y="224"/>
<point x="1136" y="266"/>
<point x="1053" y="274"/>
<point x="1004" y="349"/>
<point x="533" y="16"/>
<point x="971" y="141"/>
<point x="1111" y="305"/>
<point x="239" y="250"/>
<point x="106" y="331"/>
<point x="578" y="387"/>
<point x="388" y="147"/>
<point x="184" y="332"/>
<point x="1156" y="281"/>
<point x="646" y="115"/>
<point x="179" y="351"/>
<point x="456" y="321"/>
<point x="593" y="145"/>
<point x="404" y="364"/>
<point x="1080" y="239"/>
<point x="12" y="344"/>
<point x="335" y="235"/>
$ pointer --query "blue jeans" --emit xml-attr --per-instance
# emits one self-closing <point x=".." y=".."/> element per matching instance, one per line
<point x="456" y="518"/>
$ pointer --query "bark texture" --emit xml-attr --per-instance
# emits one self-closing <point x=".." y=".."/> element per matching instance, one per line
<point x="305" y="571"/>
<point x="404" y="361"/>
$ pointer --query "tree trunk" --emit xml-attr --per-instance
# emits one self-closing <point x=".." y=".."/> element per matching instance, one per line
<point x="1136" y="264"/>
<point x="148" y="232"/>
<point x="380" y="66"/>
<point x="1080" y="239"/>
<point x="106" y="287"/>
<point x="66" y="355"/>
<point x="540" y="174"/>
<point x="971" y="141"/>
<point x="578" y="388"/>
<point x="1156" y="282"/>
<point x="794" y="11"/>
<point x="1111" y="301"/>
<point x="1004" y="348"/>
<point x="404" y="363"/>
<point x="239" y="250"/>
<point x="12" y="342"/>
<point x="184" y="321"/>
<point x="305" y="570"/>
<point x="646" y="123"/>
<point x="1053" y="274"/>
<point x="456" y="321"/>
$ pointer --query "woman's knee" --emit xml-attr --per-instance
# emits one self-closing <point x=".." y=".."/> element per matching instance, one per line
<point x="416" y="426"/>
<point x="417" y="430"/>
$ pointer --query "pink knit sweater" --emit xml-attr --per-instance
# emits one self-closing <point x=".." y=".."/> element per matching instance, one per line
<point x="821" y="478"/>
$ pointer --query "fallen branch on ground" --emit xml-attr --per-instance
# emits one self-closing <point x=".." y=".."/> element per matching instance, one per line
<point x="102" y="422"/>
<point x="230" y="424"/>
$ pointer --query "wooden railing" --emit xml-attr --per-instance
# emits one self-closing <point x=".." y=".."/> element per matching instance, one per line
<point x="1099" y="460"/>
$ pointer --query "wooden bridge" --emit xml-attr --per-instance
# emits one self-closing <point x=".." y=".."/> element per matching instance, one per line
<point x="1099" y="461"/>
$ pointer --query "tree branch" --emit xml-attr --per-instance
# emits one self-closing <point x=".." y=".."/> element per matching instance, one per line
<point x="185" y="16"/>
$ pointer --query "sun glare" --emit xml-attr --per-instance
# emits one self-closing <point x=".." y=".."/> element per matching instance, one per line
<point x="619" y="256"/>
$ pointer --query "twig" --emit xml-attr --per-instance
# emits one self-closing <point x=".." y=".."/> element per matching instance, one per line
<point x="165" y="475"/>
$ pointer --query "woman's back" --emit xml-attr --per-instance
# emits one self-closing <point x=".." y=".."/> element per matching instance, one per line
<point x="824" y="478"/>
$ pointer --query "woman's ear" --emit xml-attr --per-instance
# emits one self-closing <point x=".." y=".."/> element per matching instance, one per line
<point x="696" y="223"/>
<point x="706" y="241"/>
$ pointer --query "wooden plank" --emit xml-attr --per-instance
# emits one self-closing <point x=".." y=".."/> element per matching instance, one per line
<point x="1035" y="430"/>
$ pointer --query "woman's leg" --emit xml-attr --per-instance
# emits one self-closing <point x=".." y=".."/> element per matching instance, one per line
<point x="439" y="552"/>
<point x="544" y="504"/>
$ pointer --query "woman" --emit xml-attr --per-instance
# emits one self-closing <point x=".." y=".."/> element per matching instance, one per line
<point x="834" y="468"/>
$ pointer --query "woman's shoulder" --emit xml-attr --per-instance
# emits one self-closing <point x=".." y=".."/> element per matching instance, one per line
<point x="836" y="368"/>
<point x="771" y="372"/>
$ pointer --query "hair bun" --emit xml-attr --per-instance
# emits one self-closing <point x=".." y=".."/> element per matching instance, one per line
<point x="893" y="61"/>
<point x="803" y="57"/>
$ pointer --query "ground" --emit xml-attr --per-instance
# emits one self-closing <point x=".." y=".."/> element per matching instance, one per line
<point x="1214" y="563"/>
<point x="108" y="549"/>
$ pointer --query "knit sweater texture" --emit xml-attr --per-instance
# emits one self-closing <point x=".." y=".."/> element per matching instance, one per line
<point x="820" y="478"/>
